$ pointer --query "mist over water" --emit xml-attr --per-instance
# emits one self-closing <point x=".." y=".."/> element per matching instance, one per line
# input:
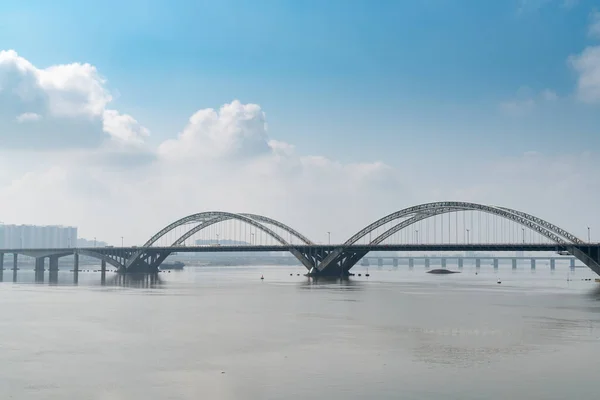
<point x="223" y="333"/>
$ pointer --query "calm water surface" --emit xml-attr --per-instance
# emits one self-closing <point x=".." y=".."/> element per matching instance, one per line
<point x="222" y="333"/>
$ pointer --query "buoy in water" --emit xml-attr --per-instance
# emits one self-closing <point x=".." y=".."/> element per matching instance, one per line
<point x="499" y="282"/>
<point x="262" y="277"/>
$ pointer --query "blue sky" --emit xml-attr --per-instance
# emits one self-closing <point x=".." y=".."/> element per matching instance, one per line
<point x="404" y="73"/>
<point x="387" y="103"/>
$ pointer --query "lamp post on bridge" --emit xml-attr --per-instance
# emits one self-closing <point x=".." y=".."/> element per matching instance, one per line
<point x="523" y="230"/>
<point x="94" y="241"/>
<point x="468" y="240"/>
<point x="122" y="242"/>
<point x="589" y="236"/>
<point x="251" y="239"/>
<point x="217" y="238"/>
<point x="417" y="236"/>
<point x="328" y="237"/>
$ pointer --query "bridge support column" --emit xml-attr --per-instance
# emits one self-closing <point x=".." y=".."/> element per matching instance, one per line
<point x="39" y="264"/>
<point x="15" y="268"/>
<point x="572" y="264"/>
<point x="427" y="263"/>
<point x="533" y="264"/>
<point x="552" y="264"/>
<point x="380" y="262"/>
<point x="478" y="263"/>
<point x="443" y="262"/>
<point x="75" y="267"/>
<point x="395" y="262"/>
<point x="495" y="263"/>
<point x="1" y="267"/>
<point x="103" y="272"/>
<point x="460" y="262"/>
<point x="365" y="262"/>
<point x="514" y="263"/>
<point x="411" y="263"/>
<point x="53" y="263"/>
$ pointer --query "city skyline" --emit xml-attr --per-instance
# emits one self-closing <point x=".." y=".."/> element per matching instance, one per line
<point x="341" y="112"/>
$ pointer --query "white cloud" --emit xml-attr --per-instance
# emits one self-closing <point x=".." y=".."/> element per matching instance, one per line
<point x="28" y="117"/>
<point x="71" y="99"/>
<point x="594" y="29"/>
<point x="123" y="127"/>
<point x="235" y="130"/>
<point x="587" y="66"/>
<point x="526" y="100"/>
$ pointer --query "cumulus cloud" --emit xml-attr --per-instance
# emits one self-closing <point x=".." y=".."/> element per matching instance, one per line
<point x="222" y="158"/>
<point x="235" y="130"/>
<point x="587" y="66"/>
<point x="71" y="99"/>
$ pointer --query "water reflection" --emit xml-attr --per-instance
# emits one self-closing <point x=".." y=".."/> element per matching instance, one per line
<point x="63" y="277"/>
<point x="339" y="283"/>
<point x="134" y="280"/>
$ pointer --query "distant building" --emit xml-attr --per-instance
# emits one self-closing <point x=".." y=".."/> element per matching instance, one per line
<point x="90" y="243"/>
<point x="32" y="236"/>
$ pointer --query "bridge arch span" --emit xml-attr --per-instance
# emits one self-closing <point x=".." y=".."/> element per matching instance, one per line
<point x="428" y="210"/>
<point x="206" y="219"/>
<point x="411" y="215"/>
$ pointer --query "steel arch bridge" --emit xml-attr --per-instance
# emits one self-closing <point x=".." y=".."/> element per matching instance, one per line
<point x="338" y="259"/>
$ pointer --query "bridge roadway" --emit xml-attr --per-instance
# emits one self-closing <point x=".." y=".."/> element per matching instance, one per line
<point x="317" y="253"/>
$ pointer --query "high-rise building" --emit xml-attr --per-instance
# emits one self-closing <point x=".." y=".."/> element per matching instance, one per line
<point x="32" y="236"/>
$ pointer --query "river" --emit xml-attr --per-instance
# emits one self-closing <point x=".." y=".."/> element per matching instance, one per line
<point x="223" y="333"/>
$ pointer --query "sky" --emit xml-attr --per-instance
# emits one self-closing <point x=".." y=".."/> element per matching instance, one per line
<point x="121" y="117"/>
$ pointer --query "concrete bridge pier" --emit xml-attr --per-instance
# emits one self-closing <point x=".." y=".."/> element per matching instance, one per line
<point x="411" y="263"/>
<point x="495" y="263"/>
<point x="1" y="267"/>
<point x="39" y="264"/>
<point x="395" y="262"/>
<point x="76" y="268"/>
<point x="15" y="260"/>
<point x="427" y="263"/>
<point x="514" y="263"/>
<point x="460" y="263"/>
<point x="533" y="264"/>
<point x="443" y="263"/>
<point x="478" y="263"/>
<point x="53" y="263"/>
<point x="380" y="262"/>
<point x="103" y="272"/>
<point x="39" y="276"/>
<point x="552" y="264"/>
<point x="572" y="265"/>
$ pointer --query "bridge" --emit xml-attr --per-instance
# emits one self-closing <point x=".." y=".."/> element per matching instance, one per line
<point x="441" y="226"/>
